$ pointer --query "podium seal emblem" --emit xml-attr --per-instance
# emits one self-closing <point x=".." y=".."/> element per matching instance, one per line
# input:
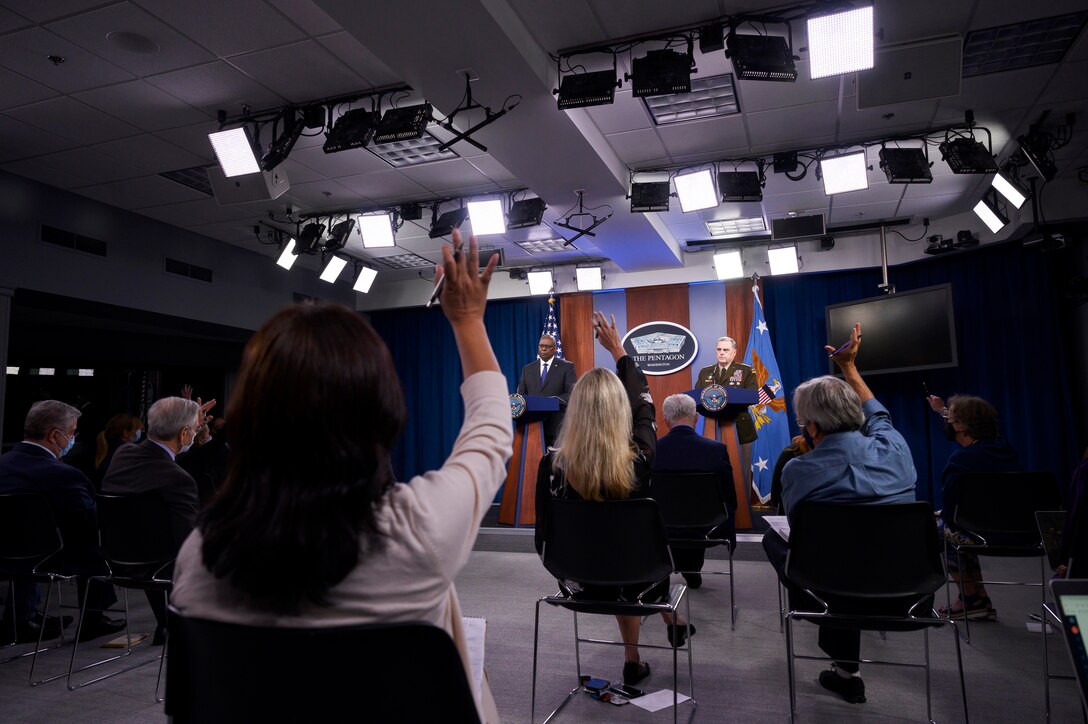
<point x="517" y="405"/>
<point x="714" y="397"/>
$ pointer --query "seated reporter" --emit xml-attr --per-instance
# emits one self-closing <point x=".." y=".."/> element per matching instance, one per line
<point x="605" y="451"/>
<point x="311" y="528"/>
<point x="857" y="457"/>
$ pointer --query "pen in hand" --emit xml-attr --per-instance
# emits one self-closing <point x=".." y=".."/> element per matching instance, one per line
<point x="441" y="282"/>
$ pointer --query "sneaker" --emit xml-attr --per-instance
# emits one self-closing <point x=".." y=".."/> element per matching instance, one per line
<point x="852" y="689"/>
<point x="635" y="671"/>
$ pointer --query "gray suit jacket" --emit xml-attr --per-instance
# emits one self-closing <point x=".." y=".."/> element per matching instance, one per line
<point x="147" y="468"/>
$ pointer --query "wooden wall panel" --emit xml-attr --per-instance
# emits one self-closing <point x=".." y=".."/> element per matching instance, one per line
<point x="576" y="329"/>
<point x="669" y="304"/>
<point x="738" y="313"/>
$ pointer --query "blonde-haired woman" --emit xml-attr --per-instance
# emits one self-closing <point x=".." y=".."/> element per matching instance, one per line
<point x="605" y="451"/>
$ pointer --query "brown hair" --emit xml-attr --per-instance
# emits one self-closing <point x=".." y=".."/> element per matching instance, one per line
<point x="315" y="412"/>
<point x="976" y="415"/>
<point x="115" y="429"/>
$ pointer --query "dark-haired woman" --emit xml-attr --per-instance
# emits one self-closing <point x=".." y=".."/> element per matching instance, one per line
<point x="120" y="429"/>
<point x="310" y="528"/>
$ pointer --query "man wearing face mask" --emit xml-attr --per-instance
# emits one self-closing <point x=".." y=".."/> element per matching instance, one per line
<point x="972" y="423"/>
<point x="149" y="467"/>
<point x="34" y="466"/>
<point x="857" y="457"/>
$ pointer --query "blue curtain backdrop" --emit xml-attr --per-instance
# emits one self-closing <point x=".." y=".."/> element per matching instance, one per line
<point x="1010" y="344"/>
<point x="426" y="358"/>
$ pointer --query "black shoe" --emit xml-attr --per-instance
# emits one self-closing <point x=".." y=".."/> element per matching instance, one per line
<point x="852" y="689"/>
<point x="678" y="634"/>
<point x="53" y="621"/>
<point x="29" y="632"/>
<point x="694" y="580"/>
<point x="635" y="671"/>
<point x="102" y="627"/>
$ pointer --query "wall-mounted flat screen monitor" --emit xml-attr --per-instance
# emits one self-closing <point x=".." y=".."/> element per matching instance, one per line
<point x="908" y="331"/>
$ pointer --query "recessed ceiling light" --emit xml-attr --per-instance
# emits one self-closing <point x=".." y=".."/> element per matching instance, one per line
<point x="729" y="227"/>
<point x="1020" y="45"/>
<point x="405" y="261"/>
<point x="543" y="246"/>
<point x="412" y="151"/>
<point x="709" y="97"/>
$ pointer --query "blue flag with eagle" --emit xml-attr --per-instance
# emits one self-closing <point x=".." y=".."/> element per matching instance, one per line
<point x="551" y="328"/>
<point x="769" y="414"/>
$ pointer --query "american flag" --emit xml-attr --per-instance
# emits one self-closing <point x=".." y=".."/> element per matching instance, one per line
<point x="551" y="328"/>
<point x="766" y="394"/>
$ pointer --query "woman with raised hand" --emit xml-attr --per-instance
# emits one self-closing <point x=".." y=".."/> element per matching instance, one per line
<point x="310" y="527"/>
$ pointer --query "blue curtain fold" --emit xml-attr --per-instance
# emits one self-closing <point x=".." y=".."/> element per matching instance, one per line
<point x="426" y="358"/>
<point x="1010" y="345"/>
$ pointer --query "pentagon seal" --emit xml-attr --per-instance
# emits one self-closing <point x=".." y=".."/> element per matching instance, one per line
<point x="714" y="398"/>
<point x="517" y="405"/>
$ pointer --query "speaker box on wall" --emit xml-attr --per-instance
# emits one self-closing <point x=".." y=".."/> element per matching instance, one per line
<point x="263" y="186"/>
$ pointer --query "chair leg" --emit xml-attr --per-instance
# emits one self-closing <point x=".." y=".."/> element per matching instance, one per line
<point x="966" y="620"/>
<point x="929" y="698"/>
<point x="790" y="673"/>
<point x="1046" y="670"/>
<point x="41" y="632"/>
<point x="536" y="647"/>
<point x="577" y="648"/>
<point x="732" y="597"/>
<point x="959" y="663"/>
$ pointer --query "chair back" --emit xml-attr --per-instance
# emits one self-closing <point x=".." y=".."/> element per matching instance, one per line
<point x="225" y="672"/>
<point x="865" y="551"/>
<point x="607" y="543"/>
<point x="1004" y="504"/>
<point x="689" y="500"/>
<point x="135" y="531"/>
<point x="28" y="532"/>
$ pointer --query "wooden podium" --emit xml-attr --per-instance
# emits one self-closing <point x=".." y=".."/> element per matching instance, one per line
<point x="518" y="506"/>
<point x="719" y="426"/>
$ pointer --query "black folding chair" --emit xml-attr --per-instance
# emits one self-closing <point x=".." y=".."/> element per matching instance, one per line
<point x="139" y="549"/>
<point x="29" y="543"/>
<point x="693" y="508"/>
<point x="615" y="543"/>
<point x="403" y="672"/>
<point x="871" y="568"/>
<point x="998" y="510"/>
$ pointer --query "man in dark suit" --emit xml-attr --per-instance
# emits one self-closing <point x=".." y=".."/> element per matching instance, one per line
<point x="549" y="376"/>
<point x="683" y="450"/>
<point x="727" y="372"/>
<point x="34" y="466"/>
<point x="149" y="467"/>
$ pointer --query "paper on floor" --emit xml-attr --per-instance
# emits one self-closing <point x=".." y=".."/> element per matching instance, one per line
<point x="658" y="700"/>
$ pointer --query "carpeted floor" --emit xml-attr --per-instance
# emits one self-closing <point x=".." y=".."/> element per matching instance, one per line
<point x="739" y="675"/>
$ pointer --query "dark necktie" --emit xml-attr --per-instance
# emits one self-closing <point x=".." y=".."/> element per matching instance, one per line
<point x="543" y="372"/>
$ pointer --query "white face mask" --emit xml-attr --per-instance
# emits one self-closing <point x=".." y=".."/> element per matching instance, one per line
<point x="185" y="448"/>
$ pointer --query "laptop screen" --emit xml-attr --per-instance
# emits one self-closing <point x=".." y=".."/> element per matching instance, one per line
<point x="1072" y="599"/>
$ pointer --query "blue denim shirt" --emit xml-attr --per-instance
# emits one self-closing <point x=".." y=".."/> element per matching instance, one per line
<point x="872" y="465"/>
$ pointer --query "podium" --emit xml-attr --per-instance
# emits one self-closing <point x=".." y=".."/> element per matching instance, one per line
<point x="518" y="506"/>
<point x="718" y="425"/>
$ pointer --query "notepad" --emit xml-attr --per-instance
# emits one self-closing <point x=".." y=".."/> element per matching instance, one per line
<point x="475" y="632"/>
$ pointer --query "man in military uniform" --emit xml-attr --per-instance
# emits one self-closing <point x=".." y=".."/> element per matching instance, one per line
<point x="727" y="372"/>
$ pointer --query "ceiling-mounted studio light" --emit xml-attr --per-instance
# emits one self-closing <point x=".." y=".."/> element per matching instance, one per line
<point x="906" y="166"/>
<point x="841" y="42"/>
<point x="234" y="150"/>
<point x="487" y="217"/>
<point x="844" y="173"/>
<point x="445" y="224"/>
<point x="661" y="72"/>
<point x="727" y="264"/>
<point x="284" y="140"/>
<point x="354" y="129"/>
<point x="377" y="231"/>
<point x="761" y="57"/>
<point x="649" y="196"/>
<point x="783" y="260"/>
<point x="288" y="256"/>
<point x="338" y="235"/>
<point x="1011" y="191"/>
<point x="740" y="186"/>
<point x="541" y="282"/>
<point x="582" y="90"/>
<point x="525" y="213"/>
<point x="696" y="190"/>
<point x="402" y="124"/>
<point x="310" y="237"/>
<point x="332" y="270"/>
<point x="589" y="278"/>
<point x="365" y="280"/>
<point x="989" y="210"/>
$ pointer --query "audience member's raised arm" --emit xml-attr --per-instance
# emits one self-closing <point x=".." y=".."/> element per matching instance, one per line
<point x="464" y="297"/>
<point x="845" y="361"/>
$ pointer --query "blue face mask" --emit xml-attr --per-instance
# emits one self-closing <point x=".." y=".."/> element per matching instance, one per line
<point x="68" y="448"/>
<point x="137" y="436"/>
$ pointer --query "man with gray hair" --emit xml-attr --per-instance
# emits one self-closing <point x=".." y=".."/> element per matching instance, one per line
<point x="34" y="466"/>
<point x="857" y="457"/>
<point x="149" y="467"/>
<point x="682" y="450"/>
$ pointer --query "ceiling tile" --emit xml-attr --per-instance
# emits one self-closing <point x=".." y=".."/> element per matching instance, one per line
<point x="89" y="167"/>
<point x="704" y="135"/>
<point x="933" y="206"/>
<point x="142" y="104"/>
<point x="1067" y="83"/>
<point x="91" y="30"/>
<point x="34" y="168"/>
<point x="25" y="52"/>
<point x="193" y="139"/>
<point x="149" y="153"/>
<point x="345" y="163"/>
<point x="10" y="21"/>
<point x="491" y="168"/>
<point x="626" y="113"/>
<point x="186" y="213"/>
<point x="300" y="72"/>
<point x="215" y="86"/>
<point x="140" y="192"/>
<point x="352" y="53"/>
<point x="872" y="123"/>
<point x="307" y="15"/>
<point x="298" y="173"/>
<point x="69" y="118"/>
<point x="798" y="125"/>
<point x="324" y="195"/>
<point x="15" y="90"/>
<point x="637" y="16"/>
<point x="385" y="186"/>
<point x="636" y="147"/>
<point x="41" y="12"/>
<point x="443" y="176"/>
<point x="227" y="28"/>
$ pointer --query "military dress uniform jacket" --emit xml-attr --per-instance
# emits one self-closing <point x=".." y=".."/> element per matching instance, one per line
<point x="736" y="374"/>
